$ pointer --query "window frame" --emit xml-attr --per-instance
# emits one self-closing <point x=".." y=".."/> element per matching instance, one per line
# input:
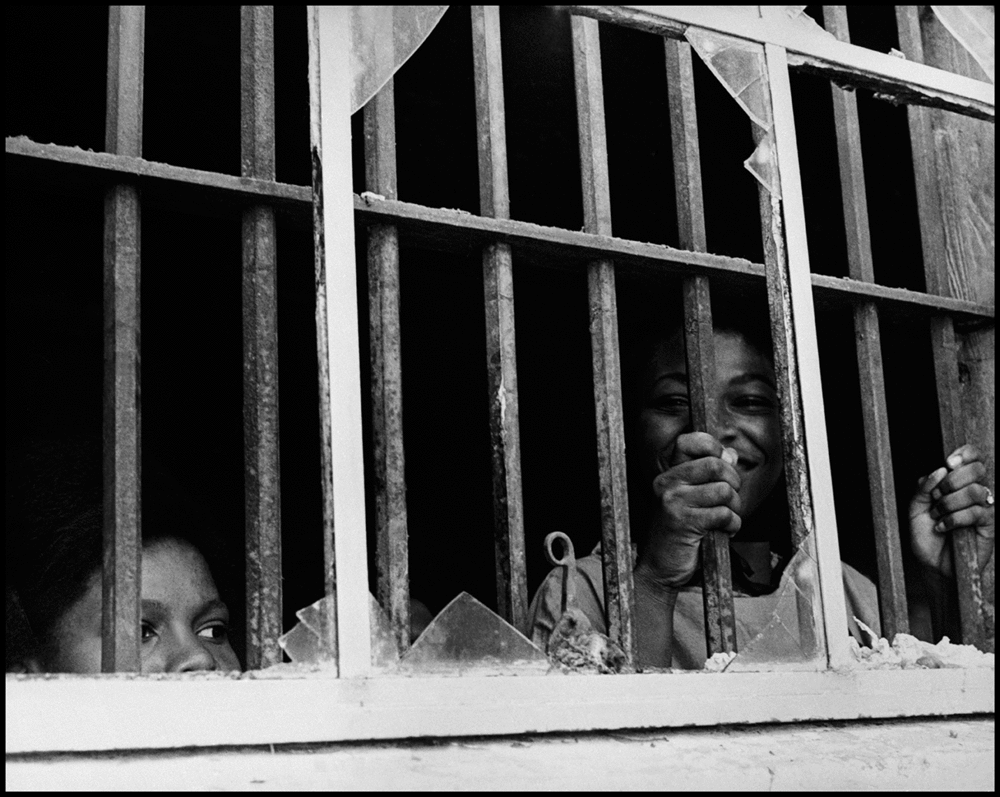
<point x="294" y="707"/>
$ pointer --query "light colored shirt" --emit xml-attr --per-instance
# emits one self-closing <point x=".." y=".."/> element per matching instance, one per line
<point x="767" y="626"/>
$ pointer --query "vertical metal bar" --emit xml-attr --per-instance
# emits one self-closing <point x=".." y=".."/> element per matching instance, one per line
<point x="262" y="480"/>
<point x="122" y="589"/>
<point x="717" y="590"/>
<point x="501" y="351"/>
<point x="868" y="342"/>
<point x="392" y="554"/>
<point x="337" y="320"/>
<point x="793" y="328"/>
<point x="616" y="538"/>
<point x="929" y="170"/>
<point x="330" y="634"/>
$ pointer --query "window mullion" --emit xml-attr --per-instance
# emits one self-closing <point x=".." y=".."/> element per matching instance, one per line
<point x="122" y="459"/>
<point x="345" y="536"/>
<point x="793" y="325"/>
<point x="615" y="535"/>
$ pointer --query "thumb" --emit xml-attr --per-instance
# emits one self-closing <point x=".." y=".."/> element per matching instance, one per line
<point x="927" y="484"/>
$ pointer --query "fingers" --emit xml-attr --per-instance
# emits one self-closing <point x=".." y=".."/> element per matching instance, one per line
<point x="927" y="484"/>
<point x="718" y="518"/>
<point x="959" y="478"/>
<point x="965" y="507"/>
<point x="975" y="516"/>
<point x="695" y="445"/>
<point x="706" y="470"/>
<point x="715" y="494"/>
<point x="963" y="455"/>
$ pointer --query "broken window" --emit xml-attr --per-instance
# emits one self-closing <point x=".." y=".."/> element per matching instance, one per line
<point x="519" y="176"/>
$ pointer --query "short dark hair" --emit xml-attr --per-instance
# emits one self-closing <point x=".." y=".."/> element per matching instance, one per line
<point x="57" y="544"/>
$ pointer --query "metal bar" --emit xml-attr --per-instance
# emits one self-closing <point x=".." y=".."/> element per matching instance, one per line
<point x="616" y="538"/>
<point x="452" y="229"/>
<point x="122" y="587"/>
<point x="868" y="343"/>
<point x="392" y="556"/>
<point x="699" y="342"/>
<point x="345" y="539"/>
<point x="930" y="167"/>
<point x="501" y="349"/>
<point x="261" y="469"/>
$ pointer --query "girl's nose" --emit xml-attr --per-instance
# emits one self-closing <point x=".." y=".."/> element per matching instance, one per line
<point x="189" y="655"/>
<point x="727" y="425"/>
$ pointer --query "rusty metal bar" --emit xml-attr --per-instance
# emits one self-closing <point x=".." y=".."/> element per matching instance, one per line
<point x="717" y="591"/>
<point x="929" y="168"/>
<point x="868" y="343"/>
<point x="262" y="479"/>
<point x="122" y="588"/>
<point x="789" y="389"/>
<point x="501" y="351"/>
<point x="386" y="371"/>
<point x="616" y="538"/>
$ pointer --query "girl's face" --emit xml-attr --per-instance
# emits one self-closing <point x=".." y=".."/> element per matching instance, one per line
<point x="748" y="412"/>
<point x="185" y="625"/>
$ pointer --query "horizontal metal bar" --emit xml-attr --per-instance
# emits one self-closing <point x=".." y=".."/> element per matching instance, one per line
<point x="115" y="166"/>
<point x="454" y="230"/>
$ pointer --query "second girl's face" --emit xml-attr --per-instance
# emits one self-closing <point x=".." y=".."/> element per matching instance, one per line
<point x="185" y="624"/>
<point x="748" y="412"/>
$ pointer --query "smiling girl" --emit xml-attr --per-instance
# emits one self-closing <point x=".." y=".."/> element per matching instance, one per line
<point x="690" y="483"/>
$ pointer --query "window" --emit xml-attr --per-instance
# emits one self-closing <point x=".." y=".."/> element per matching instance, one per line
<point x="542" y="229"/>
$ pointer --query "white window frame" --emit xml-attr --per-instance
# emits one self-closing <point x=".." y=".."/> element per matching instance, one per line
<point x="58" y="713"/>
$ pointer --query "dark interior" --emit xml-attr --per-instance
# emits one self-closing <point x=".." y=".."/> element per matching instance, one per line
<point x="191" y="312"/>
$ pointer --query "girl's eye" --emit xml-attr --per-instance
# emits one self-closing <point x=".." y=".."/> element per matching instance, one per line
<point x="671" y="403"/>
<point x="146" y="631"/>
<point x="755" y="403"/>
<point x="216" y="633"/>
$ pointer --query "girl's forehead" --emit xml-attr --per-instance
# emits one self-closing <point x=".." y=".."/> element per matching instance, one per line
<point x="175" y="567"/>
<point x="733" y="352"/>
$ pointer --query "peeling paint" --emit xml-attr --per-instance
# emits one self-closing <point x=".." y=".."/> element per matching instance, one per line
<point x="502" y="402"/>
<point x="907" y="651"/>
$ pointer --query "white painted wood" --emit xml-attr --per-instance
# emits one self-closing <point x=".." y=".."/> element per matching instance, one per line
<point x="77" y="713"/>
<point x="804" y="319"/>
<point x="333" y="43"/>
<point x="821" y="51"/>
<point x="925" y="755"/>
